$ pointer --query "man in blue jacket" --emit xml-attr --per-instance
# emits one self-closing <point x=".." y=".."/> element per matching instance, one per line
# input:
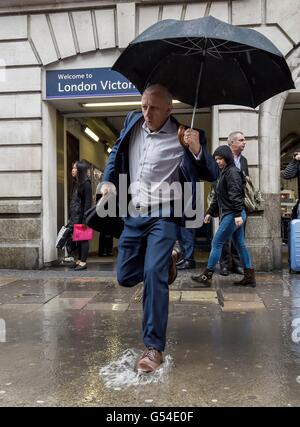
<point x="149" y="154"/>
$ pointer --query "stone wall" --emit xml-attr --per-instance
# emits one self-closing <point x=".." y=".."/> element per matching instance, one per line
<point x="20" y="147"/>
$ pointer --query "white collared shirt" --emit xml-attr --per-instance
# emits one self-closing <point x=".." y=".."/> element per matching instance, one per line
<point x="237" y="162"/>
<point x="154" y="158"/>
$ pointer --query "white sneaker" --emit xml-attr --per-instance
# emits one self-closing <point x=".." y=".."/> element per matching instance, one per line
<point x="69" y="259"/>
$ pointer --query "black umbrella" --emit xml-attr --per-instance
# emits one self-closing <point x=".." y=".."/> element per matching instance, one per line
<point x="206" y="62"/>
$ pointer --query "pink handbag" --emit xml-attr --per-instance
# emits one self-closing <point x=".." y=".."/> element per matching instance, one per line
<point x="82" y="232"/>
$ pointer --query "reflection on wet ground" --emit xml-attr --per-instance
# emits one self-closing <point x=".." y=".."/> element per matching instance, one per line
<point x="74" y="341"/>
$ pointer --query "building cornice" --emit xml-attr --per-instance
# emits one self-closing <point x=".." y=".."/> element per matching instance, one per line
<point x="46" y="6"/>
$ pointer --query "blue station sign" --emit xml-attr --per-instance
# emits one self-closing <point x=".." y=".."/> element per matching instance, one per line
<point x="87" y="82"/>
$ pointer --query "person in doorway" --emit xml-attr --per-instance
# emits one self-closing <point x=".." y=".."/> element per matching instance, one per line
<point x="186" y="240"/>
<point x="105" y="236"/>
<point x="81" y="201"/>
<point x="293" y="168"/>
<point x="105" y="244"/>
<point x="290" y="172"/>
<point x="228" y="203"/>
<point x="148" y="152"/>
<point x="230" y="259"/>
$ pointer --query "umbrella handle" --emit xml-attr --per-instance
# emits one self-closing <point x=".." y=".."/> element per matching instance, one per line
<point x="198" y="84"/>
<point x="197" y="92"/>
<point x="193" y="117"/>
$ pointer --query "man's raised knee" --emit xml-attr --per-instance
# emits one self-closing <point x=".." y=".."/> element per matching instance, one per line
<point x="128" y="282"/>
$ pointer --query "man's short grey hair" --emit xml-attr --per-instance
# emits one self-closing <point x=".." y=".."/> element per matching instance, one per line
<point x="161" y="89"/>
<point x="232" y="136"/>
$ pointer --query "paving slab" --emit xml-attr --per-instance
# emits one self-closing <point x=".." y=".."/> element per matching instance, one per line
<point x="106" y="306"/>
<point x="115" y="294"/>
<point x="236" y="294"/>
<point x="78" y="294"/>
<point x="19" y="308"/>
<point x="65" y="304"/>
<point x="37" y="291"/>
<point x="239" y="299"/>
<point x="174" y="296"/>
<point x="5" y="281"/>
<point x="243" y="306"/>
<point x="199" y="296"/>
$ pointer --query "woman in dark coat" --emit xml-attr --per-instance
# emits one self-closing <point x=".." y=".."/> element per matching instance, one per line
<point x="228" y="203"/>
<point x="290" y="172"/>
<point x="81" y="201"/>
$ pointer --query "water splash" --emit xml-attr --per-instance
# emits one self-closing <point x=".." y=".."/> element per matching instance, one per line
<point x="122" y="372"/>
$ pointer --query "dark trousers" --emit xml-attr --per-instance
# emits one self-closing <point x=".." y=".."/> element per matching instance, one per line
<point x="186" y="239"/>
<point x="144" y="254"/>
<point x="83" y="250"/>
<point x="105" y="243"/>
<point x="230" y="258"/>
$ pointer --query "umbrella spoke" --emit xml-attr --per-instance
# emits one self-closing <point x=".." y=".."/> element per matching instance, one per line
<point x="237" y="48"/>
<point x="230" y="47"/>
<point x="221" y="43"/>
<point x="213" y="49"/>
<point x="212" y="53"/>
<point x="197" y="42"/>
<point x="200" y="53"/>
<point x="194" y="46"/>
<point x="247" y="80"/>
<point x="188" y="44"/>
<point x="238" y="51"/>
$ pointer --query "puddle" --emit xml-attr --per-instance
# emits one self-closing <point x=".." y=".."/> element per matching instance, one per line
<point x="122" y="374"/>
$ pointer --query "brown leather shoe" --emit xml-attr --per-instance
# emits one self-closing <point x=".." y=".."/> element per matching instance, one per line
<point x="176" y="254"/>
<point x="150" y="360"/>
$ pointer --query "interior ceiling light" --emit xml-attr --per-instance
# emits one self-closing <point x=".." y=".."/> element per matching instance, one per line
<point x="116" y="104"/>
<point x="91" y="134"/>
<point x="109" y="150"/>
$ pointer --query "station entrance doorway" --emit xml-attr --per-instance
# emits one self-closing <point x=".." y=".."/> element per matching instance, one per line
<point x="89" y="134"/>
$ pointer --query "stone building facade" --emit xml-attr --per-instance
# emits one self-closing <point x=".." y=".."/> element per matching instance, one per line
<point x="38" y="35"/>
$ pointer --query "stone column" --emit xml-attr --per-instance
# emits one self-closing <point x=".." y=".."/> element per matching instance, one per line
<point x="20" y="147"/>
<point x="264" y="231"/>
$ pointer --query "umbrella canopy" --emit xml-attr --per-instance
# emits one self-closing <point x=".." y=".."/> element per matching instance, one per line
<point x="206" y="62"/>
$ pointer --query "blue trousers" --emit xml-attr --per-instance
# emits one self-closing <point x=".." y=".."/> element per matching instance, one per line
<point x="227" y="230"/>
<point x="144" y="254"/>
<point x="186" y="239"/>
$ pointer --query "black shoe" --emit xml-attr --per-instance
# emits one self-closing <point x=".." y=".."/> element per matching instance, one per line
<point x="238" y="270"/>
<point x="201" y="281"/>
<point x="224" y="271"/>
<point x="186" y="265"/>
<point x="72" y="265"/>
<point x="181" y="261"/>
<point x="80" y="267"/>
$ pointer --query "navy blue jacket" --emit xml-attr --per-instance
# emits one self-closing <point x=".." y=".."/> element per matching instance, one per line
<point x="190" y="169"/>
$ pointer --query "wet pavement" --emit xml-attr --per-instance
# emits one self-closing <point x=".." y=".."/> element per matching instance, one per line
<point x="69" y="339"/>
